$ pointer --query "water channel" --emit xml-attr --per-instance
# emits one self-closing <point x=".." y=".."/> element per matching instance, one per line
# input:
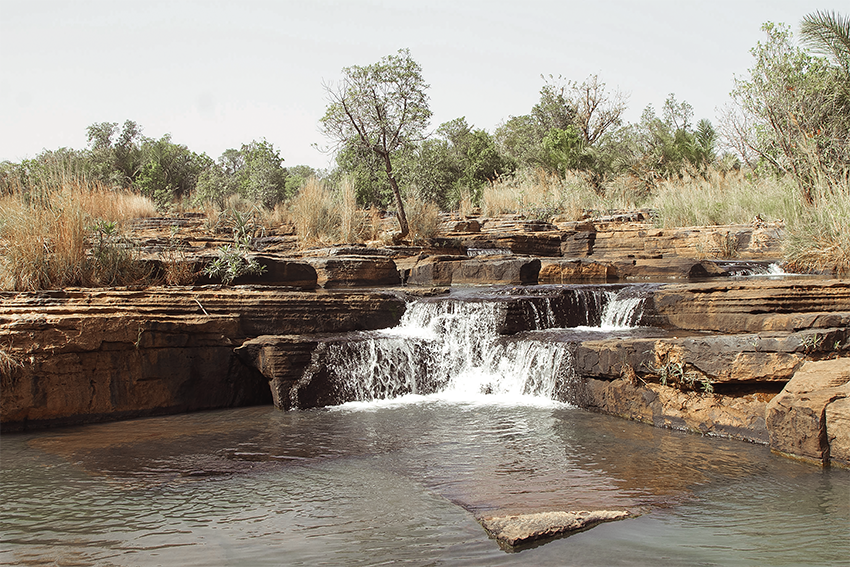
<point x="447" y="422"/>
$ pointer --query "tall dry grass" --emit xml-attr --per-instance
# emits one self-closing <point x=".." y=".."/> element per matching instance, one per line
<point x="65" y="233"/>
<point x="315" y="213"/>
<point x="818" y="238"/>
<point x="724" y="198"/>
<point x="541" y="195"/>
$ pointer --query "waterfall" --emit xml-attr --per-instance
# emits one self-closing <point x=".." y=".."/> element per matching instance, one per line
<point x="449" y="349"/>
<point x="452" y="349"/>
<point x="621" y="312"/>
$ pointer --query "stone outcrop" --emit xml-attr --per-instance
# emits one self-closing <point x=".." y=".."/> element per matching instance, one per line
<point x="87" y="355"/>
<point x="448" y="270"/>
<point x="737" y="417"/>
<point x="747" y="307"/>
<point x="524" y="529"/>
<point x="808" y="419"/>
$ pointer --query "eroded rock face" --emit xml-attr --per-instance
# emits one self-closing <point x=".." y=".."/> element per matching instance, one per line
<point x="88" y="355"/>
<point x="739" y="417"/>
<point x="448" y="270"/>
<point x="740" y="307"/>
<point x="798" y="419"/>
<point x="351" y="271"/>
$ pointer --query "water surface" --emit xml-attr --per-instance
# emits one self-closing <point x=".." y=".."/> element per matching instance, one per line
<point x="403" y="481"/>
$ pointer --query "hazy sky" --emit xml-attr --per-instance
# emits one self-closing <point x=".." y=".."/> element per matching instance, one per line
<point x="219" y="74"/>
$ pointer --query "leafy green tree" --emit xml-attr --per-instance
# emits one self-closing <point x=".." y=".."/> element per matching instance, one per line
<point x="565" y="150"/>
<point x="383" y="108"/>
<point x="460" y="159"/>
<point x="254" y="172"/>
<point x="520" y="139"/>
<point x="666" y="147"/>
<point x="168" y="171"/>
<point x="115" y="154"/>
<point x="793" y="112"/>
<point x="296" y="177"/>
<point x="263" y="177"/>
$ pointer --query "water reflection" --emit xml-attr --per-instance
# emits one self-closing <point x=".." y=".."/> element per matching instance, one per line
<point x="403" y="483"/>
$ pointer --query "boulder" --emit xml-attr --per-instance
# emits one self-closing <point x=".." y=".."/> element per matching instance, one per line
<point x="797" y="417"/>
<point x="448" y="270"/>
<point x="524" y="529"/>
<point x="576" y="271"/>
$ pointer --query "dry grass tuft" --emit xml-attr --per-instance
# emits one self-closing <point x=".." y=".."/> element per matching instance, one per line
<point x="818" y="238"/>
<point x="423" y="218"/>
<point x="724" y="198"/>
<point x="66" y="233"/>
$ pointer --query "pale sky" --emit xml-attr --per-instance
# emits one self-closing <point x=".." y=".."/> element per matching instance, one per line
<point x="216" y="75"/>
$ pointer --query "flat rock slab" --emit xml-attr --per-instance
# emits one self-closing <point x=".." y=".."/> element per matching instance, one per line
<point x="522" y="529"/>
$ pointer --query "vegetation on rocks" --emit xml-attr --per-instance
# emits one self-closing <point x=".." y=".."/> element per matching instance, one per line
<point x="779" y="153"/>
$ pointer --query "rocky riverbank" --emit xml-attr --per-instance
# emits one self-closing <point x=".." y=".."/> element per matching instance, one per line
<point x="766" y="361"/>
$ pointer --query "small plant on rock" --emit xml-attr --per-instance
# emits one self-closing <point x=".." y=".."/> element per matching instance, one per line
<point x="673" y="371"/>
<point x="233" y="261"/>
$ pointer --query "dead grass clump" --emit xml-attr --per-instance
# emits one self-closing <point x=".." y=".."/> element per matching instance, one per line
<point x="724" y="198"/>
<point x="539" y="195"/>
<point x="315" y="213"/>
<point x="818" y="239"/>
<point x="423" y="218"/>
<point x="68" y="233"/>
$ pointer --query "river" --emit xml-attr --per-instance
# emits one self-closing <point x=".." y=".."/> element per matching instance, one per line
<point x="401" y="474"/>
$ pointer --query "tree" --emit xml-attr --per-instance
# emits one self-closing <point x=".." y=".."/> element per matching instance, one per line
<point x="793" y="112"/>
<point x="168" y="170"/>
<point x="828" y="33"/>
<point x="116" y="155"/>
<point x="383" y="108"/>
<point x="254" y="172"/>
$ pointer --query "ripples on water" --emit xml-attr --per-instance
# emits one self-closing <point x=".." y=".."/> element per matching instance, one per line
<point x="403" y="481"/>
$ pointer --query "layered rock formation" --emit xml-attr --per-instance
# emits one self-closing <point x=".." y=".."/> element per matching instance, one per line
<point x="85" y="355"/>
<point x="773" y="352"/>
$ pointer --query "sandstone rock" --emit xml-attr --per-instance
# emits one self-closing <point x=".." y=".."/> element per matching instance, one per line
<point x="734" y="417"/>
<point x="525" y="244"/>
<point x="796" y="417"/>
<point x="93" y="355"/>
<point x="281" y="360"/>
<point x="351" y="271"/>
<point x="837" y="417"/>
<point x="279" y="272"/>
<point x="747" y="306"/>
<point x="667" y="268"/>
<point x="448" y="270"/>
<point x="576" y="271"/>
<point x="517" y="530"/>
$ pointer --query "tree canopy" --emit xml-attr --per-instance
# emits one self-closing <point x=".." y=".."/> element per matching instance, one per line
<point x="383" y="108"/>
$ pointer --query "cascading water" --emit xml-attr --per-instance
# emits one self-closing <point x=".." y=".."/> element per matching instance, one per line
<point x="452" y="349"/>
<point x="621" y="312"/>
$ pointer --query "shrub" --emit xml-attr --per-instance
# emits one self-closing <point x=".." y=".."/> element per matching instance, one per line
<point x="724" y="198"/>
<point x="423" y="217"/>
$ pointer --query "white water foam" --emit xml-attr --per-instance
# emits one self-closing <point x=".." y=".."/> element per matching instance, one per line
<point x="449" y="351"/>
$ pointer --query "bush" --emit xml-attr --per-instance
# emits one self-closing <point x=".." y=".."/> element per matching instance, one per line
<point x="724" y="198"/>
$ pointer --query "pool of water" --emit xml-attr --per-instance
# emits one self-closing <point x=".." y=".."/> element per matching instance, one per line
<point x="403" y="481"/>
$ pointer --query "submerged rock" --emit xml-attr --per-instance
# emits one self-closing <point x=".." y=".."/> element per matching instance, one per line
<point x="522" y="529"/>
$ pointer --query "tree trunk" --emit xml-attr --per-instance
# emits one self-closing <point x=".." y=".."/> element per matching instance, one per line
<point x="402" y="218"/>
